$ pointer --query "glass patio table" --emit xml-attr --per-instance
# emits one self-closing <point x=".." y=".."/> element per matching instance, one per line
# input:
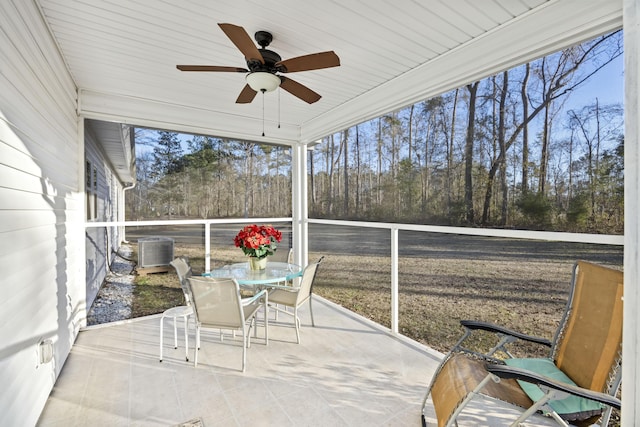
<point x="254" y="281"/>
<point x="274" y="273"/>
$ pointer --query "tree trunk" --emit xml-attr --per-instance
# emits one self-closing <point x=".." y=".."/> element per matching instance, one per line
<point x="312" y="181"/>
<point x="450" y="151"/>
<point x="544" y="153"/>
<point x="358" y="177"/>
<point x="525" y="130"/>
<point x="379" y="171"/>
<point x="468" y="152"/>
<point x="409" y="195"/>
<point x="346" y="173"/>
<point x="411" y="130"/>
<point x="330" y="177"/>
<point x="597" y="163"/>
<point x="503" y="148"/>
<point x="500" y="161"/>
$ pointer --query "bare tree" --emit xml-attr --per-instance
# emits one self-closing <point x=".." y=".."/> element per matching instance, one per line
<point x="312" y="181"/>
<point x="561" y="79"/>
<point x="524" y="99"/>
<point x="449" y="188"/>
<point x="501" y="143"/>
<point x="468" y="151"/>
<point x="358" y="172"/>
<point x="596" y="124"/>
<point x="346" y="171"/>
<point x="166" y="157"/>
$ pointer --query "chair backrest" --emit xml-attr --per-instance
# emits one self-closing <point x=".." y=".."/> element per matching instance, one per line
<point x="588" y="344"/>
<point x="282" y="255"/>
<point x="216" y="302"/>
<point x="306" y="283"/>
<point x="183" y="270"/>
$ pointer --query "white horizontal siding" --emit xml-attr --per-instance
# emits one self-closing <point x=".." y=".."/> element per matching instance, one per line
<point x="101" y="241"/>
<point x="41" y="233"/>
<point x="26" y="220"/>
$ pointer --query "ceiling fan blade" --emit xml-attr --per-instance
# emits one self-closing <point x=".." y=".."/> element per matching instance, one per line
<point x="211" y="68"/>
<point x="299" y="90"/>
<point x="314" y="61"/>
<point x="241" y="39"/>
<point x="246" y="95"/>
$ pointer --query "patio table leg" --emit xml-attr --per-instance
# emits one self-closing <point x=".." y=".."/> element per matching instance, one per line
<point x="266" y="319"/>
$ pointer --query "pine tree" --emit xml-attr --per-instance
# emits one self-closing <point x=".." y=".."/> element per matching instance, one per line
<point x="167" y="153"/>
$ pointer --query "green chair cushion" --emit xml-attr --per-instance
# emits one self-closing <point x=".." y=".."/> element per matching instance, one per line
<point x="569" y="408"/>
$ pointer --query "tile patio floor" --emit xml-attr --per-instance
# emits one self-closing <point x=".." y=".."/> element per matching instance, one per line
<point x="347" y="371"/>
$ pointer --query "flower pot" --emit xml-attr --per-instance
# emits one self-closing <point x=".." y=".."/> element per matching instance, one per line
<point x="257" y="263"/>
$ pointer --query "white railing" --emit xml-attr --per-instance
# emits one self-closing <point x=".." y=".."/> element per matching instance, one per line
<point x="207" y="223"/>
<point x="599" y="239"/>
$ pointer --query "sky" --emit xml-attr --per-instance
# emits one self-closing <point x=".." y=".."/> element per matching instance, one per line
<point x="606" y="85"/>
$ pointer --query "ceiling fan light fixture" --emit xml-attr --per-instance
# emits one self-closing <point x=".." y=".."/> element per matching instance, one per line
<point x="261" y="81"/>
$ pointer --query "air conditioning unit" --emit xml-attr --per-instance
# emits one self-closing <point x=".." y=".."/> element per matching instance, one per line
<point x="155" y="251"/>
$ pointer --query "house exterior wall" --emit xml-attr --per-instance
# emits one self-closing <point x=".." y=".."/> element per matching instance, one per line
<point x="42" y="240"/>
<point x="101" y="242"/>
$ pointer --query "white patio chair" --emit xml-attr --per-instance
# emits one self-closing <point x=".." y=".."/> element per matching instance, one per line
<point x="217" y="304"/>
<point x="281" y="255"/>
<point x="183" y="270"/>
<point x="295" y="296"/>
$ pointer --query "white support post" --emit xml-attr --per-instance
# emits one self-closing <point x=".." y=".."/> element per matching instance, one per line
<point x="394" y="280"/>
<point x="207" y="247"/>
<point x="299" y="207"/>
<point x="631" y="344"/>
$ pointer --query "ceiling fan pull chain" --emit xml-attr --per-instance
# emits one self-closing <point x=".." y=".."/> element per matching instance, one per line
<point x="263" y="91"/>
<point x="278" y="108"/>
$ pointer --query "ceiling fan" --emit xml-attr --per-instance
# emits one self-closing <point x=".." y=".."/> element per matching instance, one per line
<point x="265" y="66"/>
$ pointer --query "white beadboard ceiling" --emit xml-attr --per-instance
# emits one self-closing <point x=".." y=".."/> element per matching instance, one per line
<point x="122" y="55"/>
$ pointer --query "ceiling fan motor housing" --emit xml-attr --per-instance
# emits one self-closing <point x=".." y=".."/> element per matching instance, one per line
<point x="264" y="38"/>
<point x="270" y="60"/>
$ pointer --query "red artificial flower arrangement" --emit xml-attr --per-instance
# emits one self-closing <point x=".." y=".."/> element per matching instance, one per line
<point x="258" y="241"/>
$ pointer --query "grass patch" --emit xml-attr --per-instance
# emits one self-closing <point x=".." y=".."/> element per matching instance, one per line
<point x="154" y="293"/>
<point x="151" y="299"/>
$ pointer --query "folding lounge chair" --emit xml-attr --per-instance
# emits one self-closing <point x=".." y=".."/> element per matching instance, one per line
<point x="576" y="385"/>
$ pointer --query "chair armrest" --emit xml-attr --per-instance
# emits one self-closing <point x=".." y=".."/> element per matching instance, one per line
<point x="490" y="327"/>
<point x="248" y="301"/>
<point x="285" y="288"/>
<point x="510" y="372"/>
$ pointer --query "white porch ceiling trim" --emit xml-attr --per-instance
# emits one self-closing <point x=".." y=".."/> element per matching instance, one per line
<point x="159" y="114"/>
